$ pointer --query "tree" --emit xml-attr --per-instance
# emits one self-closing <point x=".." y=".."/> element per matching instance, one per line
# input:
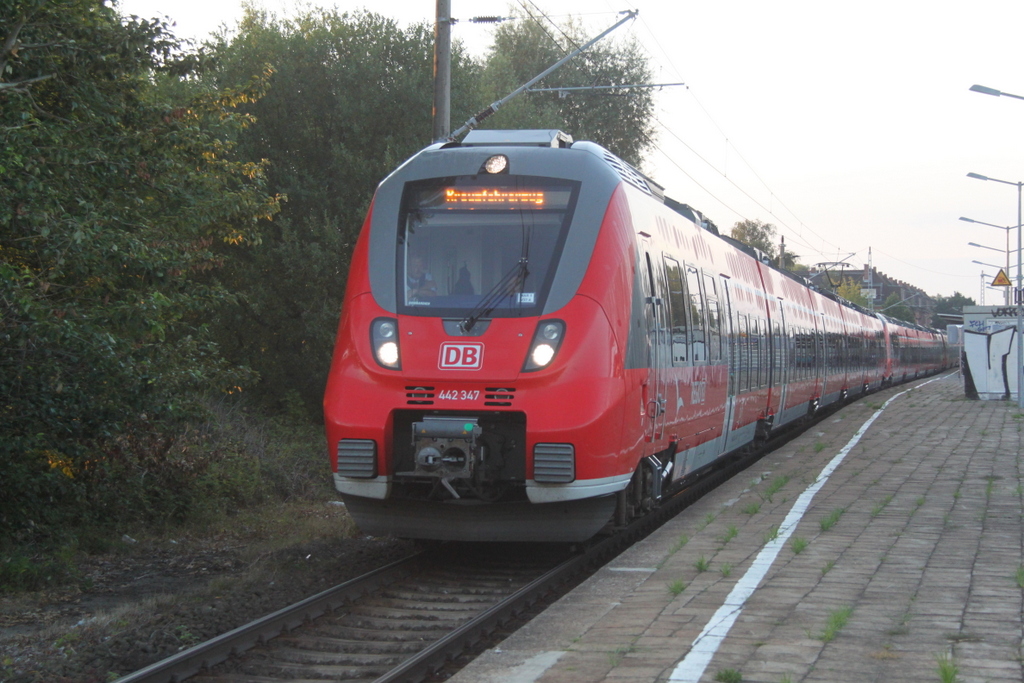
<point x="950" y="305"/>
<point x="895" y="308"/>
<point x="327" y="148"/>
<point x="620" y="120"/>
<point x="112" y="201"/>
<point x="757" y="234"/>
<point x="850" y="290"/>
<point x="349" y="100"/>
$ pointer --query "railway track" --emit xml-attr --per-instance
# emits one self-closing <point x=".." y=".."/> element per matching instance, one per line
<point x="408" y="620"/>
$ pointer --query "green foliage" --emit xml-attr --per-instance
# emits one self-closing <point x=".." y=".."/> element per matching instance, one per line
<point x="774" y="487"/>
<point x="729" y="676"/>
<point x="837" y="619"/>
<point x="622" y="121"/>
<point x="831" y="519"/>
<point x="757" y="234"/>
<point x="895" y="308"/>
<point x="850" y="290"/>
<point x="327" y="149"/>
<point x="947" y="668"/>
<point x="112" y="203"/>
<point x="952" y="305"/>
<point x="20" y="571"/>
<point x="139" y="271"/>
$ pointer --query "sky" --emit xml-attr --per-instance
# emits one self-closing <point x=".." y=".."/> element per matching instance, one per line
<point x="848" y="126"/>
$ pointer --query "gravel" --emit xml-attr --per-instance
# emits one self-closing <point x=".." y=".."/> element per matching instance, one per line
<point x="163" y="598"/>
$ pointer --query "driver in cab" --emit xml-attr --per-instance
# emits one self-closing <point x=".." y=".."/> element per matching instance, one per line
<point x="419" y="284"/>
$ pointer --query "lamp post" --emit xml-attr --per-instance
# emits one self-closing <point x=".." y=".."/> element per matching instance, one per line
<point x="992" y="91"/>
<point x="990" y="265"/>
<point x="1005" y="228"/>
<point x="1019" y="294"/>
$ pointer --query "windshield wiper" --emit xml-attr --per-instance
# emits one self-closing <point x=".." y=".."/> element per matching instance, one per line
<point x="506" y="286"/>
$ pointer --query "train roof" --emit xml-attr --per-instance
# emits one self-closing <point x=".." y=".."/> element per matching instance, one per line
<point x="557" y="139"/>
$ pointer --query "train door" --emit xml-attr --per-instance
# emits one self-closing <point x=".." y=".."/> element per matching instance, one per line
<point x="730" y="354"/>
<point x="820" y="375"/>
<point x="657" y="336"/>
<point x="780" y="358"/>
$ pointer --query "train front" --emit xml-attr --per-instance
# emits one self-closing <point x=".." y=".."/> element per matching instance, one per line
<point x="476" y="390"/>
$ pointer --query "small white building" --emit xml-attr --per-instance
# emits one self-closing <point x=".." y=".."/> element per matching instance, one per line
<point x="990" y="350"/>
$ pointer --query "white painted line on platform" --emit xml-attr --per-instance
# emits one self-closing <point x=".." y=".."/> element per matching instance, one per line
<point x="649" y="570"/>
<point x="706" y="644"/>
<point x="533" y="668"/>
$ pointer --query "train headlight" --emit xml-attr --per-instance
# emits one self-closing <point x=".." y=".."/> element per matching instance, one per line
<point x="542" y="355"/>
<point x="496" y="164"/>
<point x="546" y="341"/>
<point x="384" y="337"/>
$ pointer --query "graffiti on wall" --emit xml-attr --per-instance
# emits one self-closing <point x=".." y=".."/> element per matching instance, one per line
<point x="988" y="361"/>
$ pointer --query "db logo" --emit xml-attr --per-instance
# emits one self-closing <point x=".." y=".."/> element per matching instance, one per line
<point x="461" y="356"/>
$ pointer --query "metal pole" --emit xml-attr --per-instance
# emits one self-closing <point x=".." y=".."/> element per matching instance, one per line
<point x="443" y="70"/>
<point x="1006" y="298"/>
<point x="1020" y="309"/>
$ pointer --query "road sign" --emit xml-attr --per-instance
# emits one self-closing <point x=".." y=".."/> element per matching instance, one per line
<point x="1001" y="280"/>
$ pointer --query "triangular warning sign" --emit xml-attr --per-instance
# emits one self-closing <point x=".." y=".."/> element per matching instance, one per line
<point x="1001" y="280"/>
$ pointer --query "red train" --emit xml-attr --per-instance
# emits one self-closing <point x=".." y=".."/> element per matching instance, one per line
<point x="536" y="341"/>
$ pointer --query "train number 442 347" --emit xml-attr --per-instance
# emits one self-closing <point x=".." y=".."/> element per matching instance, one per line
<point x="458" y="395"/>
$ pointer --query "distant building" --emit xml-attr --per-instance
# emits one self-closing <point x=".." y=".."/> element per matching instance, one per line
<point x="876" y="288"/>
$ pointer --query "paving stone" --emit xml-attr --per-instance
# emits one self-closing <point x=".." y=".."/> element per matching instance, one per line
<point x="925" y="554"/>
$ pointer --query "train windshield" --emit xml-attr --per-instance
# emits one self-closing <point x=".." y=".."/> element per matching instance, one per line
<point x="481" y="247"/>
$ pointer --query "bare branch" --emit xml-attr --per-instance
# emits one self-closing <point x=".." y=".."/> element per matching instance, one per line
<point x="20" y="86"/>
<point x="10" y="42"/>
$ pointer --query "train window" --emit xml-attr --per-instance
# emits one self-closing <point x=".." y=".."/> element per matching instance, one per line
<point x="714" y="332"/>
<point x="714" y="323"/>
<point x="698" y="345"/>
<point x="755" y="352"/>
<point x="762" y="352"/>
<point x="468" y="246"/>
<point x="763" y="358"/>
<point x="677" y="311"/>
<point x="743" y="353"/>
<point x="728" y="325"/>
<point x="804" y="356"/>
<point x="778" y="354"/>
<point x="710" y="290"/>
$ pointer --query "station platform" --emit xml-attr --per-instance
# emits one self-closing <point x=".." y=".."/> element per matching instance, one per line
<point x="883" y="544"/>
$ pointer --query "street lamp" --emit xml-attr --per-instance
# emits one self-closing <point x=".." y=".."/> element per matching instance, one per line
<point x="990" y="265"/>
<point x="992" y="91"/>
<point x="1005" y="228"/>
<point x="1019" y="294"/>
<point x="982" y="246"/>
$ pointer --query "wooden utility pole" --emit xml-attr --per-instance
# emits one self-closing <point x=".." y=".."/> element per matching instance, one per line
<point x="443" y="70"/>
